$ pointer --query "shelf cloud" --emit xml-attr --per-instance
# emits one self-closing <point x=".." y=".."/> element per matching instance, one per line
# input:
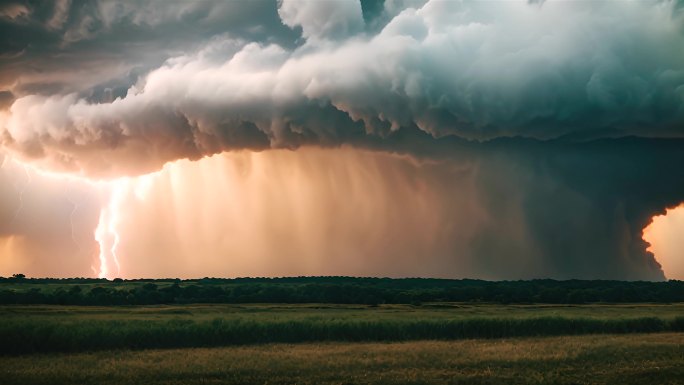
<point x="474" y="70"/>
<point x="555" y="127"/>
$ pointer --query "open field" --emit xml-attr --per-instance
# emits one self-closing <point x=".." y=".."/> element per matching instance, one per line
<point x="49" y="328"/>
<point x="257" y="312"/>
<point x="597" y="359"/>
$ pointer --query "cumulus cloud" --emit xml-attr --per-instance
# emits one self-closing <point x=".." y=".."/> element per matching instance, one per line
<point x="475" y="70"/>
<point x="322" y="20"/>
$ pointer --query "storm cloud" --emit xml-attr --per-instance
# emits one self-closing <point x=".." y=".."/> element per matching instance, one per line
<point x="475" y="70"/>
<point x="563" y="119"/>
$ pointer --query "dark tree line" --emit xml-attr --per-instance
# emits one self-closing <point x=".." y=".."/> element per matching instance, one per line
<point x="339" y="290"/>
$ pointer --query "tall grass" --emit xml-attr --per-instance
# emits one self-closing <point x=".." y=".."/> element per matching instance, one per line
<point x="30" y="336"/>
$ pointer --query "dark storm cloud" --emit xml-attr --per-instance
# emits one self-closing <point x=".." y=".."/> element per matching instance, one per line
<point x="474" y="70"/>
<point x="71" y="46"/>
<point x="584" y="205"/>
<point x="559" y="208"/>
<point x="582" y="87"/>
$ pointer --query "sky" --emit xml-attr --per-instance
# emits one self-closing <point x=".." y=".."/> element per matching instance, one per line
<point x="400" y="138"/>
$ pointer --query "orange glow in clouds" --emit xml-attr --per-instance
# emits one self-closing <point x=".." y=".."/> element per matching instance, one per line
<point x="309" y="212"/>
<point x="13" y="249"/>
<point x="666" y="236"/>
<point x="271" y="213"/>
<point x="278" y="213"/>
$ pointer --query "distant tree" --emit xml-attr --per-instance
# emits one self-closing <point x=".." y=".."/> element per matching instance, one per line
<point x="369" y="291"/>
<point x="117" y="280"/>
<point x="372" y="300"/>
<point x="149" y="287"/>
<point x="75" y="289"/>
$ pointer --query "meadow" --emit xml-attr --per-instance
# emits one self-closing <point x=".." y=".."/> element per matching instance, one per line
<point x="50" y="328"/>
<point x="364" y="342"/>
<point x="595" y="359"/>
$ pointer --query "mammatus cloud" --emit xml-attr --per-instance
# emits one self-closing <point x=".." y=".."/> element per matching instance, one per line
<point x="528" y="140"/>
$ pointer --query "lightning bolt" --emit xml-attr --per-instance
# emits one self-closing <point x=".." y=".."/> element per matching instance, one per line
<point x="20" y="191"/>
<point x="106" y="232"/>
<point x="74" y="207"/>
<point x="101" y="238"/>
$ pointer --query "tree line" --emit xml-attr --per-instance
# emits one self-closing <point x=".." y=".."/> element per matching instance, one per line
<point x="336" y="290"/>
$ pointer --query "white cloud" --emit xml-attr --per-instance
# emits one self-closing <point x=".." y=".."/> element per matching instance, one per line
<point x="323" y="20"/>
<point x="475" y="70"/>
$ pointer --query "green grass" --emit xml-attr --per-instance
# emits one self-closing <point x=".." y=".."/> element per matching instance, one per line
<point x="29" y="329"/>
<point x="597" y="359"/>
<point x="327" y="311"/>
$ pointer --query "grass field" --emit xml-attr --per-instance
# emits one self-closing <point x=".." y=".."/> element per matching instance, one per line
<point x="597" y="359"/>
<point x="39" y="329"/>
<point x="258" y="312"/>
